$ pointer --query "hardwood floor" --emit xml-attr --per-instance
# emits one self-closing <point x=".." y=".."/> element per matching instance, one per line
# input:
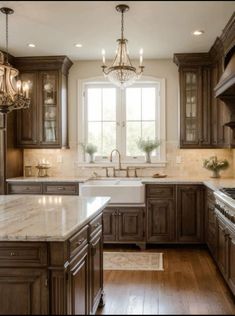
<point x="189" y="284"/>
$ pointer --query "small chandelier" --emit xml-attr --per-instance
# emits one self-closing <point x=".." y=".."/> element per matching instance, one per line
<point x="122" y="73"/>
<point x="13" y="94"/>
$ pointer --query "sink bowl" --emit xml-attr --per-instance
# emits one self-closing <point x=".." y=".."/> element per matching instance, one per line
<point x="121" y="191"/>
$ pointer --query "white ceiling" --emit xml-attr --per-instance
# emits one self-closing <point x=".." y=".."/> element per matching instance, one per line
<point x="161" y="28"/>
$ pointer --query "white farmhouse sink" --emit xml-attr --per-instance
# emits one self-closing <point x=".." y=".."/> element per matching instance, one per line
<point x="121" y="191"/>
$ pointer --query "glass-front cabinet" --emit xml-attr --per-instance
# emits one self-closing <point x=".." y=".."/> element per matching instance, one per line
<point x="191" y="106"/>
<point x="49" y="107"/>
<point x="44" y="124"/>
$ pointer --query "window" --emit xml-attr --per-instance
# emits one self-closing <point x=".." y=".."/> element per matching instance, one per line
<point x="115" y="118"/>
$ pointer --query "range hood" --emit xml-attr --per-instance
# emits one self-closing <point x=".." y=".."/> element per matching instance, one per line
<point x="225" y="89"/>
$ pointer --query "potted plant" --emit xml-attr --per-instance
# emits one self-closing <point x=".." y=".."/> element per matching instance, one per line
<point x="148" y="146"/>
<point x="215" y="165"/>
<point x="90" y="149"/>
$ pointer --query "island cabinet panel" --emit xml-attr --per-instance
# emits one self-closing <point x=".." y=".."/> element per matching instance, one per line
<point x="160" y="220"/>
<point x="210" y="223"/>
<point x="78" y="284"/>
<point x="190" y="212"/>
<point x="23" y="291"/>
<point x="96" y="271"/>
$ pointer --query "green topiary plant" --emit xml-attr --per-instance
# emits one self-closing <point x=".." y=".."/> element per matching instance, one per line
<point x="89" y="149"/>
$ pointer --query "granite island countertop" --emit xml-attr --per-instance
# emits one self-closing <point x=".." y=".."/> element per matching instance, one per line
<point x="46" y="218"/>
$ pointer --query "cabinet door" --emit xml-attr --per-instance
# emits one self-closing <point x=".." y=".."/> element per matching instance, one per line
<point x="49" y="108"/>
<point x="231" y="261"/>
<point x="109" y="224"/>
<point x="23" y="291"/>
<point x="221" y="246"/>
<point x="78" y="284"/>
<point x="190" y="204"/>
<point x="27" y="119"/>
<point x="190" y="103"/>
<point x="205" y="110"/>
<point x="131" y="224"/>
<point x="210" y="228"/>
<point x="96" y="271"/>
<point x="160" y="220"/>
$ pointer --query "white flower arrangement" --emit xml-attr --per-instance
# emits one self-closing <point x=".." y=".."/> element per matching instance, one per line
<point x="214" y="164"/>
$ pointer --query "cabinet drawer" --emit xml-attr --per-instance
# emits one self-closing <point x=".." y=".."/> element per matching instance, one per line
<point x="161" y="191"/>
<point x="61" y="188"/>
<point x="32" y="188"/>
<point x="95" y="225"/>
<point x="23" y="254"/>
<point x="78" y="241"/>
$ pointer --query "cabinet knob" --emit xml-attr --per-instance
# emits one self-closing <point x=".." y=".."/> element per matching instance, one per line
<point x="80" y="241"/>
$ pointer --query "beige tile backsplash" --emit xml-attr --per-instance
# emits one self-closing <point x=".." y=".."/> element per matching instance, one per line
<point x="64" y="162"/>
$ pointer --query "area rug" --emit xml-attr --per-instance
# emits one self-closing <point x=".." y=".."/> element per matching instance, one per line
<point x="133" y="261"/>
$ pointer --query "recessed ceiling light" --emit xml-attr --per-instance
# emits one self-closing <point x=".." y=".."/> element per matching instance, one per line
<point x="198" y="32"/>
<point x="31" y="45"/>
<point x="78" y="45"/>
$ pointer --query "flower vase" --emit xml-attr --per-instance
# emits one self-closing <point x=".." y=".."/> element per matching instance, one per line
<point x="91" y="158"/>
<point x="215" y="174"/>
<point x="147" y="157"/>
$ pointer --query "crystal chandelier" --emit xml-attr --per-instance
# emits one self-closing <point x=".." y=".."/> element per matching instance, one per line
<point x="13" y="94"/>
<point x="122" y="73"/>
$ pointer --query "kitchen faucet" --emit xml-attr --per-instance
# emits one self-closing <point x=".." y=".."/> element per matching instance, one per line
<point x="119" y="158"/>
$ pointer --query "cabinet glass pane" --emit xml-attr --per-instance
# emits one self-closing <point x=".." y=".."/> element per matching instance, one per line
<point x="49" y="99"/>
<point x="191" y="106"/>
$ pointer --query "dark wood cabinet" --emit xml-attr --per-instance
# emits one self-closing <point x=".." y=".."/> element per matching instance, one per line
<point x="24" y="290"/>
<point x="190" y="212"/>
<point x="160" y="220"/>
<point x="195" y="100"/>
<point x="222" y="246"/>
<point x="210" y="223"/>
<point x="96" y="271"/>
<point x="109" y="224"/>
<point x="231" y="260"/>
<point x="124" y="224"/>
<point x="78" y="278"/>
<point x="44" y="124"/>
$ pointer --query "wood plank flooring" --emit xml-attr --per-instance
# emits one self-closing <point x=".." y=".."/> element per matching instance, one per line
<point x="189" y="284"/>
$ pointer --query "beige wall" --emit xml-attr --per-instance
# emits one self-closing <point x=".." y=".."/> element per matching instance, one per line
<point x="163" y="68"/>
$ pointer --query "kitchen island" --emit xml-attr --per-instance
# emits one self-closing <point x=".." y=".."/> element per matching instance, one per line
<point x="51" y="254"/>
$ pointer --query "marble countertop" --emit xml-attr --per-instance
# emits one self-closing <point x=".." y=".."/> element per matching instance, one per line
<point x="213" y="184"/>
<point x="46" y="218"/>
<point x="47" y="179"/>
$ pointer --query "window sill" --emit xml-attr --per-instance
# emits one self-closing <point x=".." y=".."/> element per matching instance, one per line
<point x="124" y="164"/>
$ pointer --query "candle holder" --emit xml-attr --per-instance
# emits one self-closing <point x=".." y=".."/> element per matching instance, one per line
<point x="43" y="170"/>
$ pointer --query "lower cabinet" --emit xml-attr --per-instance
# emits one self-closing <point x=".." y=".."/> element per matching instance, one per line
<point x="222" y="247"/>
<point x="78" y="278"/>
<point x="231" y="261"/>
<point x="190" y="212"/>
<point x="160" y="220"/>
<point x="23" y="291"/>
<point x="96" y="271"/>
<point x="124" y="224"/>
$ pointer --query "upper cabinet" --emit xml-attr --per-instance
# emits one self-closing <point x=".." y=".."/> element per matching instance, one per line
<point x="195" y="99"/>
<point x="44" y="124"/>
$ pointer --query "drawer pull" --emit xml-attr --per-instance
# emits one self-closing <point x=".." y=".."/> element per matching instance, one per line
<point x="97" y="225"/>
<point x="13" y="254"/>
<point x="80" y="241"/>
<point x="60" y="188"/>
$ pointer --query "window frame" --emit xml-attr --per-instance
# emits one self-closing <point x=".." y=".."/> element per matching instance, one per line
<point x="120" y="118"/>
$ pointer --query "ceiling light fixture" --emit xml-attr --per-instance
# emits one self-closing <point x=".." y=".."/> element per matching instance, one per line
<point x="198" y="32"/>
<point x="13" y="94"/>
<point x="122" y="73"/>
<point x="31" y="45"/>
<point x="78" y="45"/>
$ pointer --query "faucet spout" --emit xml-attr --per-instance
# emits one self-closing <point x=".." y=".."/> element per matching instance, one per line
<point x="119" y="157"/>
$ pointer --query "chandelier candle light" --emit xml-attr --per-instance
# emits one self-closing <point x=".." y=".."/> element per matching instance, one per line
<point x="13" y="94"/>
<point x="122" y="73"/>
